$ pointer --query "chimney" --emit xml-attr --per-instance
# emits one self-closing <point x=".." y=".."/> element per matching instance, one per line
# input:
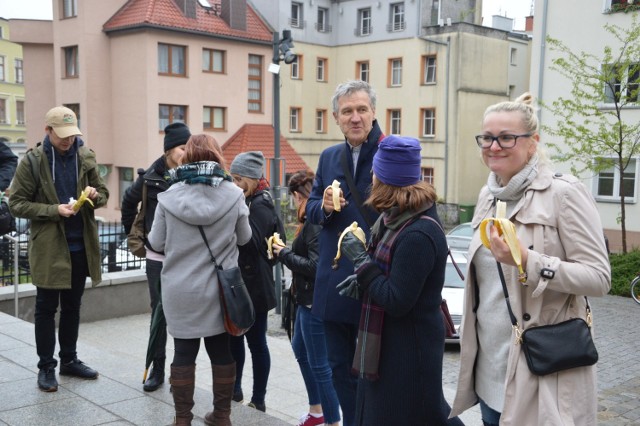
<point x="187" y="7"/>
<point x="234" y="13"/>
<point x="528" y="24"/>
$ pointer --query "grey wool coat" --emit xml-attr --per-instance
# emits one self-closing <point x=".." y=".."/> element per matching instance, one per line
<point x="190" y="295"/>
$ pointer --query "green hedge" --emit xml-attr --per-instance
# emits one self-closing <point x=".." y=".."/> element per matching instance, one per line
<point x="624" y="268"/>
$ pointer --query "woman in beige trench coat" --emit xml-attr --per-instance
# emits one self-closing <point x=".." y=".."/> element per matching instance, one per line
<point x="564" y="257"/>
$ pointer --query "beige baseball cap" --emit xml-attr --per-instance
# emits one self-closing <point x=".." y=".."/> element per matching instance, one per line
<point x="63" y="121"/>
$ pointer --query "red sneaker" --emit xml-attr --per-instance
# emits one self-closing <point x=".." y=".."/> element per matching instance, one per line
<point x="309" y="420"/>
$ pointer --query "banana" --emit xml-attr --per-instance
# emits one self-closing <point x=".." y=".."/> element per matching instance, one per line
<point x="508" y="230"/>
<point x="84" y="197"/>
<point x="357" y="232"/>
<point x="274" y="239"/>
<point x="335" y="185"/>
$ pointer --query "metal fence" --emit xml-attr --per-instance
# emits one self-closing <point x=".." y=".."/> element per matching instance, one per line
<point x="113" y="252"/>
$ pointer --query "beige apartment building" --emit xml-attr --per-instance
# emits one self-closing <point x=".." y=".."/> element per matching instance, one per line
<point x="130" y="67"/>
<point x="12" y="99"/>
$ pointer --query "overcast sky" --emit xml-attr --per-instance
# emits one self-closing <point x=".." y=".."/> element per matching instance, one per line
<point x="41" y="9"/>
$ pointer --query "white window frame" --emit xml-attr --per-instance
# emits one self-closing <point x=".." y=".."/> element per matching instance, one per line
<point x="364" y="21"/>
<point x="430" y="69"/>
<point x="69" y="8"/>
<point x="428" y="174"/>
<point x="633" y="169"/>
<point x="625" y="94"/>
<point x="4" y="111"/>
<point x="294" y="119"/>
<point x="296" y="15"/>
<point x="320" y="120"/>
<point x="295" y="68"/>
<point x="395" y="121"/>
<point x="398" y="22"/>
<point x="364" y="72"/>
<point x="3" y="68"/>
<point x="321" y="69"/>
<point x="396" y="72"/>
<point x="322" y="23"/>
<point x="428" y="122"/>
<point x="18" y="120"/>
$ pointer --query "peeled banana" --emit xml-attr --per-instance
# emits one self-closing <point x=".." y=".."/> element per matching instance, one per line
<point x="335" y="188"/>
<point x="274" y="239"/>
<point x="84" y="197"/>
<point x="357" y="232"/>
<point x="508" y="230"/>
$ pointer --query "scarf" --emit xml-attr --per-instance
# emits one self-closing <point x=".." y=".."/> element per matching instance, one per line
<point x="515" y="188"/>
<point x="383" y="234"/>
<point x="207" y="172"/>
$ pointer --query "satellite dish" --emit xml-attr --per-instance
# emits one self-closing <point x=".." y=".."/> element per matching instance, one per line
<point x="103" y="170"/>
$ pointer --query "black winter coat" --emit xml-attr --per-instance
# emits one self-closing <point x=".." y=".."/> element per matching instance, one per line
<point x="302" y="260"/>
<point x="257" y="269"/>
<point x="154" y="178"/>
<point x="8" y="164"/>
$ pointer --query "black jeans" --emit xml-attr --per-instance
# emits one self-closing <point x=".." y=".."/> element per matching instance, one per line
<point x="154" y="269"/>
<point x="186" y="350"/>
<point x="260" y="357"/>
<point x="47" y="302"/>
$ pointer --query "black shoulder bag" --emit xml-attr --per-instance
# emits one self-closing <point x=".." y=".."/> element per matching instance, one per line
<point x="237" y="308"/>
<point x="554" y="347"/>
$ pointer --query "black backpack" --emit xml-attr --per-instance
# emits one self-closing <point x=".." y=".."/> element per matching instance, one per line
<point x="7" y="222"/>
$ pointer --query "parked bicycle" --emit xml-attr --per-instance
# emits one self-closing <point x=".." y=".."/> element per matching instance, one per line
<point x="635" y="288"/>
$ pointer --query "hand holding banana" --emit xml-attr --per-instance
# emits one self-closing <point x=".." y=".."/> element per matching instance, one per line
<point x="503" y="227"/>
<point x="274" y="239"/>
<point x="84" y="197"/>
<point x="331" y="197"/>
<point x="357" y="232"/>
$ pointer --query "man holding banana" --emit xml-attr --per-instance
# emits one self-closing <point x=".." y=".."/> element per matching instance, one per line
<point x="336" y="207"/>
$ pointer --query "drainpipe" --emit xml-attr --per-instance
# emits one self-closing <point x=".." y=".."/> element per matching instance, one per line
<point x="543" y="48"/>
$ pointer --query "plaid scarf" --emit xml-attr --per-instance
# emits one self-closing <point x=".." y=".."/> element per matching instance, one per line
<point x="383" y="235"/>
<point x="207" y="172"/>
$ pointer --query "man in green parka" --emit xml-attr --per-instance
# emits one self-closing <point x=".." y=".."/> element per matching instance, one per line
<point x="63" y="242"/>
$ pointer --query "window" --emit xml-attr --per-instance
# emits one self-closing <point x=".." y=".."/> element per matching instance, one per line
<point x="214" y="61"/>
<point x="71" y="62"/>
<point x="321" y="119"/>
<point x="396" y="15"/>
<point x="296" y="68"/>
<point x="3" y="111"/>
<point x="394" y="120"/>
<point x="2" y="73"/>
<point x="168" y="114"/>
<point x="429" y="69"/>
<point x="214" y="118"/>
<point x="321" y="70"/>
<point x="76" y="110"/>
<point x="322" y="24"/>
<point x="20" y="113"/>
<point x="172" y="60"/>
<point x="69" y="8"/>
<point x="19" y="69"/>
<point x="607" y="182"/>
<point x="623" y="83"/>
<point x="295" y="114"/>
<point x="362" y="70"/>
<point x="513" y="57"/>
<point x="364" y="22"/>
<point x="125" y="180"/>
<point x="255" y="83"/>
<point x="395" y="72"/>
<point x="427" y="174"/>
<point x="296" y="20"/>
<point x="428" y="122"/>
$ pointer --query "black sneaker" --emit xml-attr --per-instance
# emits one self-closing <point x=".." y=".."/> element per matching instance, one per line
<point x="47" y="379"/>
<point x="79" y="369"/>
<point x="260" y="407"/>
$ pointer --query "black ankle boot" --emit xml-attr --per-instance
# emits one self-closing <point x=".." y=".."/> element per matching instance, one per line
<point x="156" y="378"/>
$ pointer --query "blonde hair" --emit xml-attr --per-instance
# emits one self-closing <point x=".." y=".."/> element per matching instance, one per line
<point x="524" y="105"/>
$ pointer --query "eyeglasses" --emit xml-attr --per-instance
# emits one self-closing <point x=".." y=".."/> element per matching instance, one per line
<point x="504" y="141"/>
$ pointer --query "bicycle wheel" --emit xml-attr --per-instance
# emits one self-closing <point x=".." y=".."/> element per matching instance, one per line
<point x="635" y="289"/>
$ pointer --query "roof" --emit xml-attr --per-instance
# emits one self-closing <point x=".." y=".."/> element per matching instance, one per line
<point x="136" y="14"/>
<point x="259" y="137"/>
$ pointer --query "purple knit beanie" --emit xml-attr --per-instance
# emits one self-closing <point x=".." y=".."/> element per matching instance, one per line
<point x="397" y="161"/>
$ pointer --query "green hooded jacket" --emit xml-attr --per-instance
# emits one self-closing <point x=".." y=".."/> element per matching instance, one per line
<point x="49" y="256"/>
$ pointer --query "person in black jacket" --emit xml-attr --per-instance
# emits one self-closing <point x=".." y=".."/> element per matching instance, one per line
<point x="8" y="164"/>
<point x="156" y="178"/>
<point x="308" y="340"/>
<point x="257" y="273"/>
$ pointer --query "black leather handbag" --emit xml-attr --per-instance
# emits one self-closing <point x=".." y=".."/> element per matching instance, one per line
<point x="556" y="347"/>
<point x="237" y="307"/>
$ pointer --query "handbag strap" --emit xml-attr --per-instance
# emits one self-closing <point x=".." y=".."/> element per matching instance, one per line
<point x="453" y="261"/>
<point x="514" y="321"/>
<point x="143" y="207"/>
<point x="204" y="238"/>
<point x="354" y="191"/>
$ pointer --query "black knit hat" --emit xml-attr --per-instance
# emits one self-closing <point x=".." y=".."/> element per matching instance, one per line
<point x="175" y="134"/>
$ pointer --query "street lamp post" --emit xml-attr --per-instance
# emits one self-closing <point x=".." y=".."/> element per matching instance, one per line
<point x="281" y="52"/>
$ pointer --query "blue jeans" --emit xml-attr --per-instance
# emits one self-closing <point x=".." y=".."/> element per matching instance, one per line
<point x="257" y="341"/>
<point x="310" y="348"/>
<point x="341" y="347"/>
<point x="490" y="417"/>
<point x="154" y="269"/>
<point x="69" y="300"/>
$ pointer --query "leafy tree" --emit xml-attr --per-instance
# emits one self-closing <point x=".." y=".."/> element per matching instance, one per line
<point x="591" y="121"/>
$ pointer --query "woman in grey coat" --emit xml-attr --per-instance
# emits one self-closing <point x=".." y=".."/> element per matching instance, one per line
<point x="202" y="194"/>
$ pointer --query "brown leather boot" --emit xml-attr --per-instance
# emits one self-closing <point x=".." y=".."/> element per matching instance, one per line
<point x="183" y="384"/>
<point x="224" y="377"/>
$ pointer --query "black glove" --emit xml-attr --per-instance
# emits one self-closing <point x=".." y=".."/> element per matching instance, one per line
<point x="354" y="250"/>
<point x="350" y="288"/>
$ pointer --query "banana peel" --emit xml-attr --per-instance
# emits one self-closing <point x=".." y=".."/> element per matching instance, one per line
<point x="507" y="229"/>
<point x="335" y="187"/>
<point x="274" y="239"/>
<point x="84" y="197"/>
<point x="357" y="232"/>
